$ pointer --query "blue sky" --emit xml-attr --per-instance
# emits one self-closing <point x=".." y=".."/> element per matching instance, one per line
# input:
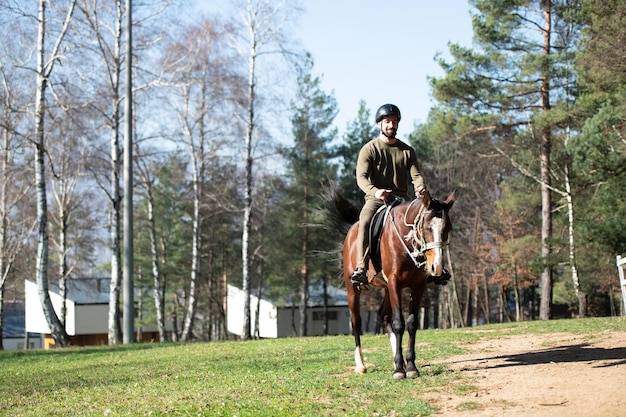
<point x="364" y="50"/>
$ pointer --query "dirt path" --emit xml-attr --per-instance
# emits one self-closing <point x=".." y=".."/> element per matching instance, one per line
<point x="541" y="375"/>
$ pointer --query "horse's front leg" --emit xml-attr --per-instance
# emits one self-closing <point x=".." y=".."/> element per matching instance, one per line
<point x="411" y="325"/>
<point x="397" y="326"/>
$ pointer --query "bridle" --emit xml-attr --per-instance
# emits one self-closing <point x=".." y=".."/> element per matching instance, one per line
<point x="415" y="236"/>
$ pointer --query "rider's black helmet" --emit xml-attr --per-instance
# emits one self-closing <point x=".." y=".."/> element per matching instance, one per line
<point x="387" y="110"/>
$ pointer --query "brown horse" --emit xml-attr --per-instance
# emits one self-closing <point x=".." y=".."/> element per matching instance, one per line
<point x="409" y="255"/>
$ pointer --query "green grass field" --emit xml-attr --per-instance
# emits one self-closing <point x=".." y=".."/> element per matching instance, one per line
<point x="286" y="377"/>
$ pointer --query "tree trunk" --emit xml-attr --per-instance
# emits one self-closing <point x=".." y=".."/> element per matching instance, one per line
<point x="454" y="302"/>
<point x="156" y="274"/>
<point x="475" y="309"/>
<point x="213" y="298"/>
<point x="434" y="308"/>
<point x="443" y="320"/>
<point x="63" y="262"/>
<point x="261" y="271"/>
<point x="304" y="271"/>
<point x="502" y="308"/>
<point x="582" y="297"/>
<point x="546" y="197"/>
<point x="43" y="72"/>
<point x="1" y="315"/>
<point x="224" y="307"/>
<point x="139" y="310"/>
<point x="487" y="309"/>
<point x="195" y="264"/>
<point x="247" y="210"/>
<point x="518" y="306"/>
<point x="115" y="330"/>
<point x="257" y="310"/>
<point x="304" y="299"/>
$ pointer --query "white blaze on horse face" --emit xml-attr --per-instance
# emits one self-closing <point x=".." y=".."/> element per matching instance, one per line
<point x="436" y="226"/>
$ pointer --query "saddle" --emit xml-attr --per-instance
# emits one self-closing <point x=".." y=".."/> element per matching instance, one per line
<point x="376" y="228"/>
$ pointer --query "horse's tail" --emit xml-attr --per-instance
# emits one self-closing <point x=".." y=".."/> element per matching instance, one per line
<point x="339" y="211"/>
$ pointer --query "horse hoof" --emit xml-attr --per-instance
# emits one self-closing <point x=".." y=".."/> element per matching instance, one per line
<point x="412" y="374"/>
<point x="399" y="375"/>
<point x="360" y="370"/>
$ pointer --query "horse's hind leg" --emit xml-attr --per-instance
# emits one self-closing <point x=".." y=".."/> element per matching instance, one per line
<point x="354" y="297"/>
<point x="384" y="314"/>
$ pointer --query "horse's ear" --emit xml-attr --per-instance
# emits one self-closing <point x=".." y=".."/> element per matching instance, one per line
<point x="426" y="199"/>
<point x="450" y="200"/>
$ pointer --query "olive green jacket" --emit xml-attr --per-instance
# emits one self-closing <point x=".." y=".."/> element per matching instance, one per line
<point x="384" y="166"/>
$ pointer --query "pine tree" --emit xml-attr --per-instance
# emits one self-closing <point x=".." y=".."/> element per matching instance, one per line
<point x="359" y="131"/>
<point x="309" y="165"/>
<point x="601" y="148"/>
<point x="598" y="149"/>
<point x="505" y="89"/>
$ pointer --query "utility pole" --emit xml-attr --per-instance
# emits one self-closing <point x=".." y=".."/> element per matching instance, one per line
<point x="129" y="302"/>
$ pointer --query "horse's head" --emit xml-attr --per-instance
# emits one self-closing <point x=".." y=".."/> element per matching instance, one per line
<point x="432" y="229"/>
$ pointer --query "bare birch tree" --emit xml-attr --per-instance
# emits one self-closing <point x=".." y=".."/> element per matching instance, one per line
<point x="43" y="71"/>
<point x="105" y="26"/>
<point x="200" y="79"/>
<point x="104" y="22"/>
<point x="260" y="28"/>
<point x="72" y="219"/>
<point x="147" y="180"/>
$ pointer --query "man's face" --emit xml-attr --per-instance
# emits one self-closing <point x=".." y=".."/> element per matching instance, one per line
<point x="389" y="126"/>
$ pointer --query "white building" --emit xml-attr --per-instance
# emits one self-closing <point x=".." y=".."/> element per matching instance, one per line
<point x="87" y="312"/>
<point x="282" y="321"/>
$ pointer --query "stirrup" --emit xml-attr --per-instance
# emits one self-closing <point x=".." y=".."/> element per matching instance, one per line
<point x="359" y="278"/>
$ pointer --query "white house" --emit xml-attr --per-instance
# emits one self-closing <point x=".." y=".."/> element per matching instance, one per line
<point x="87" y="312"/>
<point x="282" y="321"/>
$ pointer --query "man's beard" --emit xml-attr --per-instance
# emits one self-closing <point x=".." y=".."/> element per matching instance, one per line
<point x="391" y="135"/>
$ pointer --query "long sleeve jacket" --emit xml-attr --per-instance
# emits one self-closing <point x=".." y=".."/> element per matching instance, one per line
<point x="387" y="166"/>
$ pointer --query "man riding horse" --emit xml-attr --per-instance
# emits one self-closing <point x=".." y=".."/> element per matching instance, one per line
<point x="383" y="168"/>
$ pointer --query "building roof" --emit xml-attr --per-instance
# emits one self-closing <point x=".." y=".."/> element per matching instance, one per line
<point x="336" y="297"/>
<point x="84" y="290"/>
<point x="96" y="291"/>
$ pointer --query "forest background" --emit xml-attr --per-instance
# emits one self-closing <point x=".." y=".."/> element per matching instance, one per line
<point x="235" y="145"/>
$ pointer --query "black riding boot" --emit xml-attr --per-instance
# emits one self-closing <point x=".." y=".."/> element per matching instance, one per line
<point x="359" y="276"/>
<point x="441" y="279"/>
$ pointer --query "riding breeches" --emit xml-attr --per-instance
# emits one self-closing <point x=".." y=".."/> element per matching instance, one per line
<point x="365" y="219"/>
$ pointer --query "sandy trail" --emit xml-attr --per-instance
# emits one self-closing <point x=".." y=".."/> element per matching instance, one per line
<point x="541" y="375"/>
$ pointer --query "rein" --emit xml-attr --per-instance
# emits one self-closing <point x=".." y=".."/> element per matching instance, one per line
<point x="416" y="236"/>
